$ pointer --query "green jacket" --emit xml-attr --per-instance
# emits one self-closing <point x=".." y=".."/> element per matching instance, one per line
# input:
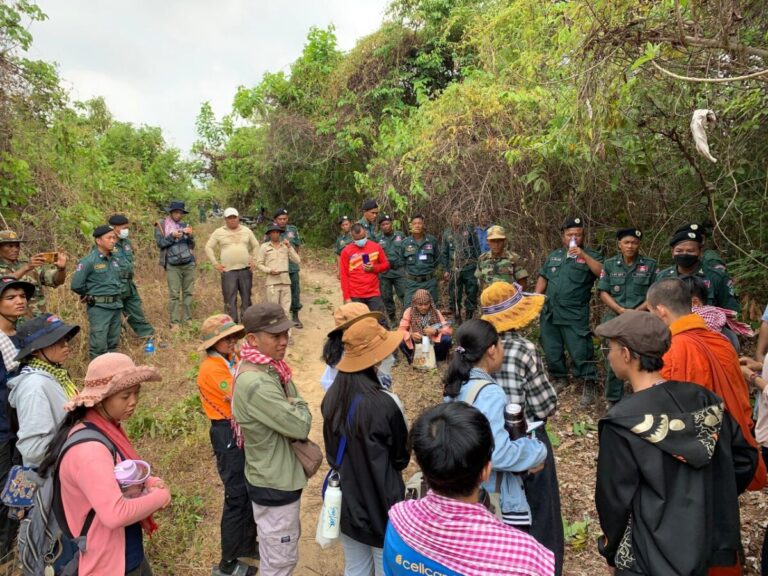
<point x="124" y="252"/>
<point x="98" y="275"/>
<point x="292" y="233"/>
<point x="341" y="242"/>
<point x="712" y="259"/>
<point x="460" y="249"/>
<point x="628" y="285"/>
<point x="268" y="423"/>
<point x="370" y="228"/>
<point x="720" y="290"/>
<point x="420" y="257"/>
<point x="392" y="246"/>
<point x="569" y="286"/>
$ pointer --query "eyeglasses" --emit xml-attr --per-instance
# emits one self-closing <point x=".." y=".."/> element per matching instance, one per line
<point x="605" y="350"/>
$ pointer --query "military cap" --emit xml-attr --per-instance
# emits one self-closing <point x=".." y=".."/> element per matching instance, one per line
<point x="685" y="235"/>
<point x="573" y="223"/>
<point x="343" y="219"/>
<point x="280" y="212"/>
<point x="118" y="219"/>
<point x="370" y="204"/>
<point x="9" y="237"/>
<point x="385" y="218"/>
<point x="101" y="230"/>
<point x="628" y="232"/>
<point x="699" y="228"/>
<point x="496" y="233"/>
<point x="641" y="332"/>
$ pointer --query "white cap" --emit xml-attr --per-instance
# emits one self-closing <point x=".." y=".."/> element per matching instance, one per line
<point x="231" y="212"/>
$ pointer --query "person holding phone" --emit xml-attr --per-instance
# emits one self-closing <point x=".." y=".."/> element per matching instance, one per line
<point x="360" y="264"/>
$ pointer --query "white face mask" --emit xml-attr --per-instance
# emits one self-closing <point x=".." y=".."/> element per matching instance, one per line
<point x="124" y="233"/>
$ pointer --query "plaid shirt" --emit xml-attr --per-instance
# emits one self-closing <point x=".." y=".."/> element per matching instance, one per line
<point x="523" y="378"/>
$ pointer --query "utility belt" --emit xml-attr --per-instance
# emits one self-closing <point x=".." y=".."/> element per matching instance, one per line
<point x="127" y="277"/>
<point x="91" y="300"/>
<point x="419" y="278"/>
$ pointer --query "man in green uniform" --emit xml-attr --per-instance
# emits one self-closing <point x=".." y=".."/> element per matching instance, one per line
<point x="687" y="251"/>
<point x="45" y="269"/>
<point x="420" y="256"/>
<point x="132" y="307"/>
<point x="623" y="284"/>
<point x="292" y="235"/>
<point x="566" y="278"/>
<point x="97" y="281"/>
<point x="709" y="258"/>
<point x="368" y="221"/>
<point x="392" y="281"/>
<point x="499" y="264"/>
<point x="345" y="237"/>
<point x="458" y="255"/>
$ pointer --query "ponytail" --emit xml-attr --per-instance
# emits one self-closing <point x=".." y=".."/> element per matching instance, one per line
<point x="333" y="348"/>
<point x="473" y="339"/>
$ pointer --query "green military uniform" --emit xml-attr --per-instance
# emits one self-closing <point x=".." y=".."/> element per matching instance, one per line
<point x="420" y="259"/>
<point x="132" y="308"/>
<point x="38" y="277"/>
<point x="565" y="317"/>
<point x="341" y="242"/>
<point x="292" y="234"/>
<point x="459" y="253"/>
<point x="97" y="279"/>
<point x="369" y="227"/>
<point x="507" y="267"/>
<point x="627" y="284"/>
<point x="393" y="280"/>
<point x="712" y="259"/>
<point x="720" y="290"/>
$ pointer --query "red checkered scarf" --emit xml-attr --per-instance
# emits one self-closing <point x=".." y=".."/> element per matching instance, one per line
<point x="717" y="318"/>
<point x="253" y="355"/>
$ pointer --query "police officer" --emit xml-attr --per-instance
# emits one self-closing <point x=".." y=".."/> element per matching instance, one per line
<point x="420" y="256"/>
<point x="368" y="221"/>
<point x="623" y="283"/>
<point x="345" y="237"/>
<point x="566" y="278"/>
<point x="392" y="281"/>
<point x="710" y="258"/>
<point x="39" y="270"/>
<point x="132" y="307"/>
<point x="499" y="264"/>
<point x="687" y="252"/>
<point x="97" y="281"/>
<point x="459" y="252"/>
<point x="292" y="235"/>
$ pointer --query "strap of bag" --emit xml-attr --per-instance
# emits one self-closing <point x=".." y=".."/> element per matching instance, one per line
<point x="343" y="441"/>
<point x="474" y="391"/>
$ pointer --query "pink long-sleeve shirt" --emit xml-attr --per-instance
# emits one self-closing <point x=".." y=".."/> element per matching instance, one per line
<point x="88" y="481"/>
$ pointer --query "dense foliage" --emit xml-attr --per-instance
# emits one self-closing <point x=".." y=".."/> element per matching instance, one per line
<point x="524" y="108"/>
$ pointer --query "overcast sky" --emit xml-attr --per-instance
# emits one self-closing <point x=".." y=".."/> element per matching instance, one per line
<point x="156" y="61"/>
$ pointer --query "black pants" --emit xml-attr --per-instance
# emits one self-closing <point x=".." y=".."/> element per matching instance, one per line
<point x="8" y="526"/>
<point x="144" y="569"/>
<point x="238" y="529"/>
<point x="375" y="304"/>
<point x="236" y="282"/>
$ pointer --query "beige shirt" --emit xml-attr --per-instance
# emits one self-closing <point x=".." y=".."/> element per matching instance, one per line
<point x="238" y="247"/>
<point x="271" y="258"/>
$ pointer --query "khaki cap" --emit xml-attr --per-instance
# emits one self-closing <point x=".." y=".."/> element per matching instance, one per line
<point x="9" y="237"/>
<point x="496" y="233"/>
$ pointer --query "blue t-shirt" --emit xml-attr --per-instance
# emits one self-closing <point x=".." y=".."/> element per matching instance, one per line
<point x="401" y="559"/>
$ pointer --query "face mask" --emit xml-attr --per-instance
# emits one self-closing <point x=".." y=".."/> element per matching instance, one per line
<point x="360" y="243"/>
<point x="124" y="233"/>
<point x="685" y="260"/>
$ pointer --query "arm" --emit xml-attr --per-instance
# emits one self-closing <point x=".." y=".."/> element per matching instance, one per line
<point x="253" y="243"/>
<point x="161" y="239"/>
<point x="210" y="247"/>
<point x="762" y="341"/>
<point x="101" y="490"/>
<point x="80" y="277"/>
<point x="261" y="259"/>
<point x="405" y="326"/>
<point x="38" y="418"/>
<point x="541" y="285"/>
<point x="609" y="301"/>
<point x="265" y="402"/>
<point x="595" y="265"/>
<point x="398" y="449"/>
<point x="293" y="254"/>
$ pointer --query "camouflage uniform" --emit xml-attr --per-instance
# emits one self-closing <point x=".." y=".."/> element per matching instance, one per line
<point x="508" y="267"/>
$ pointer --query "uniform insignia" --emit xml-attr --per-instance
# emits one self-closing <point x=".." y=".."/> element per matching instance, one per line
<point x="99" y="266"/>
<point x="577" y="220"/>
<point x="290" y="234"/>
<point x="602" y="273"/>
<point x="692" y="235"/>
<point x="581" y="260"/>
<point x="694" y="226"/>
<point x="79" y="266"/>
<point x="707" y="282"/>
<point x="617" y="288"/>
<point x="642" y="268"/>
<point x="427" y="246"/>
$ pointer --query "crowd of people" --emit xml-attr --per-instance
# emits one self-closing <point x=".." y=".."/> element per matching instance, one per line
<point x="674" y="455"/>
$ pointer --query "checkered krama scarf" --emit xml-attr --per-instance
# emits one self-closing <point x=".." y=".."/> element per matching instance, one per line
<point x="420" y="321"/>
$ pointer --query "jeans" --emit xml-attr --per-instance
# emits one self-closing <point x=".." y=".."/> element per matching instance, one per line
<point x="361" y="559"/>
<point x="181" y="279"/>
<point x="234" y="282"/>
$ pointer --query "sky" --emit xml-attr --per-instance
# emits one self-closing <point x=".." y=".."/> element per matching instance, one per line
<point x="156" y="61"/>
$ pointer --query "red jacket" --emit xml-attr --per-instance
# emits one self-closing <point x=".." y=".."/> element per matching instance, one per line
<point x="356" y="282"/>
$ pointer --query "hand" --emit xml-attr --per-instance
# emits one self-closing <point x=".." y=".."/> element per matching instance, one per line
<point x="188" y="230"/>
<point x="750" y="363"/>
<point x="286" y="243"/>
<point x="61" y="260"/>
<point x="576" y="251"/>
<point x="446" y="276"/>
<point x="251" y="265"/>
<point x="177" y="234"/>
<point x="274" y="272"/>
<point x="429" y="331"/>
<point x="621" y="310"/>
<point x="347" y="301"/>
<point x="220" y="268"/>
<point x="35" y="261"/>
<point x="368" y="267"/>
<point x="536" y="469"/>
<point x="416" y="337"/>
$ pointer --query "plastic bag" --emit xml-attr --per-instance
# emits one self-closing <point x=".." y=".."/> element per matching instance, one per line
<point x="424" y="355"/>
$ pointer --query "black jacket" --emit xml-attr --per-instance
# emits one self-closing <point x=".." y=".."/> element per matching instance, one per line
<point x="371" y="479"/>
<point x="671" y="465"/>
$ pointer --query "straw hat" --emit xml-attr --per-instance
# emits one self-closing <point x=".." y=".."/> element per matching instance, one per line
<point x="218" y="327"/>
<point x="366" y="343"/>
<point x="346" y="315"/>
<point x="507" y="307"/>
<point x="109" y="374"/>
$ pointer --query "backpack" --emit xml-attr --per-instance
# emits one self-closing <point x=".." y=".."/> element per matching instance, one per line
<point x="45" y="545"/>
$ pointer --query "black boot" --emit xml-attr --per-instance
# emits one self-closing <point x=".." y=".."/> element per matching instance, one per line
<point x="296" y="321"/>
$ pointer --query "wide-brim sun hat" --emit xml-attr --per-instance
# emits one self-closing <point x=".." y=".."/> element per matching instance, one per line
<point x="366" y="343"/>
<point x="109" y="374"/>
<point x="218" y="327"/>
<point x="41" y="332"/>
<point x="347" y="314"/>
<point x="507" y="307"/>
<point x="274" y="228"/>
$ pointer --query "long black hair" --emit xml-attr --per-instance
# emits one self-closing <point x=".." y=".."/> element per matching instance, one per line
<point x="333" y="348"/>
<point x="52" y="453"/>
<point x="338" y="399"/>
<point x="473" y="338"/>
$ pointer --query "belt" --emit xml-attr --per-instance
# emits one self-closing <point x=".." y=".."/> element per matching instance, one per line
<point x="104" y="299"/>
<point x="217" y="423"/>
<point x="419" y="278"/>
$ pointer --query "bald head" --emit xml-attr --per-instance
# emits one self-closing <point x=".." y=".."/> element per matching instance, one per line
<point x="669" y="299"/>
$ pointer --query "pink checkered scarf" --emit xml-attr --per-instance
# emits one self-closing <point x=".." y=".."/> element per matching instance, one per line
<point x="717" y="318"/>
<point x="253" y="355"/>
<point x="467" y="538"/>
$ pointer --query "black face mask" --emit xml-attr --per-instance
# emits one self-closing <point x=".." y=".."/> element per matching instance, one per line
<point x="685" y="260"/>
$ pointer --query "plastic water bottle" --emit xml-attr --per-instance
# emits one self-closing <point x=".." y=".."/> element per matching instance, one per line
<point x="332" y="504"/>
<point x="572" y="244"/>
<point x="150" y="347"/>
<point x="514" y="421"/>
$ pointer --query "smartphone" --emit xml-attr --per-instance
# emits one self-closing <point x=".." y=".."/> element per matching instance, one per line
<point x="366" y="259"/>
<point x="49" y="257"/>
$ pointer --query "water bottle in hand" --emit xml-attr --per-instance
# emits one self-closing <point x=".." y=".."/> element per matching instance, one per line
<point x="571" y="245"/>
<point x="514" y="421"/>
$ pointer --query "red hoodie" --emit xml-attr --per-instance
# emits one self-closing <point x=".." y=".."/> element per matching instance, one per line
<point x="356" y="282"/>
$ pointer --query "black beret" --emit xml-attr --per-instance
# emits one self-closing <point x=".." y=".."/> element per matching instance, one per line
<point x="628" y="232"/>
<point x="385" y="218"/>
<point x="573" y="223"/>
<point x="343" y="219"/>
<point x="698" y="228"/>
<point x="101" y="230"/>
<point x="417" y="215"/>
<point x="685" y="235"/>
<point x="118" y="219"/>
<point x="370" y="204"/>
<point x="280" y="212"/>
